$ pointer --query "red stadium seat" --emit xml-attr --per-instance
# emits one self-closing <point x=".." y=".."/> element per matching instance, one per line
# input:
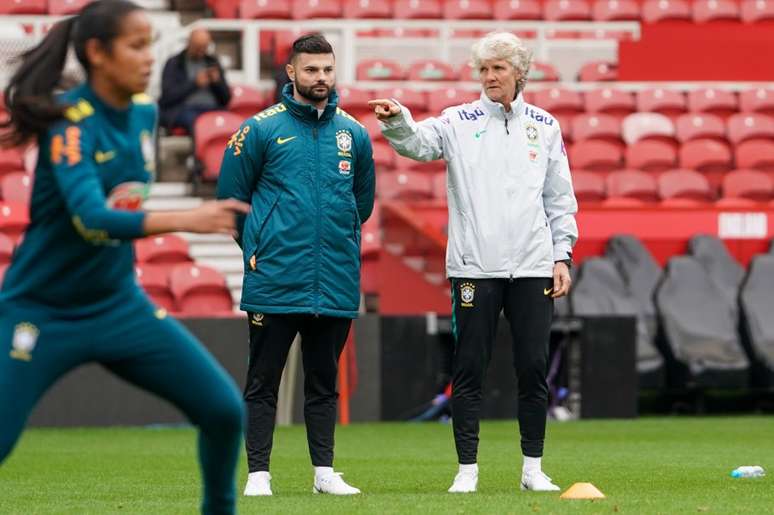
<point x="564" y="104"/>
<point x="154" y="279"/>
<point x="588" y="186"/>
<point x="416" y="101"/>
<point x="224" y="8"/>
<point x="759" y="100"/>
<point x="418" y="9"/>
<point x="756" y="153"/>
<point x="11" y="160"/>
<point x="354" y="100"/>
<point x="384" y="157"/>
<point x="746" y="126"/>
<point x="247" y="101"/>
<point x="428" y="167"/>
<point x="715" y="10"/>
<point x="668" y="102"/>
<point x="283" y="42"/>
<point x="374" y="9"/>
<point x="467" y="10"/>
<point x="719" y="102"/>
<point x="750" y="184"/>
<point x="431" y="69"/>
<point x="6" y="248"/>
<point x="758" y="10"/>
<point x="16" y="187"/>
<point x="692" y="126"/>
<point x="639" y="126"/>
<point x="543" y="72"/>
<point x="405" y="185"/>
<point x="610" y="101"/>
<point x="14" y="218"/>
<point x="517" y="10"/>
<point x="623" y="202"/>
<point x="615" y="10"/>
<point x="597" y="126"/>
<point x="598" y="71"/>
<point x="440" y="99"/>
<point x="596" y="156"/>
<point x="684" y="184"/>
<point x="167" y="248"/>
<point x="666" y="10"/>
<point x="440" y="190"/>
<point x="200" y="291"/>
<point x="467" y="73"/>
<point x="307" y="9"/>
<point x="265" y="9"/>
<point x="370" y="246"/>
<point x="371" y="124"/>
<point x="632" y="184"/>
<point x="62" y="7"/>
<point x="213" y="131"/>
<point x="705" y="155"/>
<point x="651" y="155"/>
<point x="23" y="7"/>
<point x="379" y="69"/>
<point x="566" y="10"/>
<point x="736" y="203"/>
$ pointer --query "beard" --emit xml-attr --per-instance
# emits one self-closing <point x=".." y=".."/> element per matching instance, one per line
<point x="309" y="93"/>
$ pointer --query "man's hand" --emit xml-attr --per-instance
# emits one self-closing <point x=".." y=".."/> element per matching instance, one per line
<point x="384" y="108"/>
<point x="203" y="78"/>
<point x="562" y="280"/>
<point x="213" y="73"/>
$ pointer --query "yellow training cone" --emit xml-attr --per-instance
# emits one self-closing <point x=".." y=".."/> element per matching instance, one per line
<point x="582" y="491"/>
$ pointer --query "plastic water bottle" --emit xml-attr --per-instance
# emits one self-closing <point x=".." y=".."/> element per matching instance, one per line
<point x="748" y="471"/>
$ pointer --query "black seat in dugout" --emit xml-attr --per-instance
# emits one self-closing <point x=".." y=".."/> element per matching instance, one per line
<point x="757" y="306"/>
<point x="697" y="331"/>
<point x="641" y="274"/>
<point x="724" y="271"/>
<point x="601" y="290"/>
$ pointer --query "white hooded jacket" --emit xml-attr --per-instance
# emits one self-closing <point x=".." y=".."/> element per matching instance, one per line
<point x="510" y="196"/>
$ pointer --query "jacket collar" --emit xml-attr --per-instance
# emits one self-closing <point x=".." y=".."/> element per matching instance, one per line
<point x="497" y="110"/>
<point x="308" y="112"/>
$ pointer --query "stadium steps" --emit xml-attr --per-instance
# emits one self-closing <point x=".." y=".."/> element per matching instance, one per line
<point x="218" y="251"/>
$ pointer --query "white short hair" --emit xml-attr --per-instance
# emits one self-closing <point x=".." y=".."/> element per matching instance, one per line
<point x="505" y="46"/>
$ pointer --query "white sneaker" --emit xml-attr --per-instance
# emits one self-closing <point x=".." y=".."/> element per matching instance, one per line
<point x="333" y="484"/>
<point x="258" y="483"/>
<point x="464" y="483"/>
<point x="537" y="481"/>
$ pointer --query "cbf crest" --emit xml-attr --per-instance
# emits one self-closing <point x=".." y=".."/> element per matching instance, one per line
<point x="467" y="294"/>
<point x="25" y="337"/>
<point x="344" y="143"/>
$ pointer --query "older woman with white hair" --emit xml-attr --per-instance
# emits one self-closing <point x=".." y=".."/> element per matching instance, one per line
<point x="511" y="233"/>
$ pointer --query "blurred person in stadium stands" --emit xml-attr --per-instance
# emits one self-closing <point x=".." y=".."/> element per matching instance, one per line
<point x="70" y="296"/>
<point x="192" y="83"/>
<point x="307" y="168"/>
<point x="511" y="233"/>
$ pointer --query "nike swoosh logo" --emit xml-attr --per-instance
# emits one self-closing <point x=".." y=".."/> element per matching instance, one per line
<point x="478" y="134"/>
<point x="282" y="141"/>
<point x="547" y="291"/>
<point x="102" y="157"/>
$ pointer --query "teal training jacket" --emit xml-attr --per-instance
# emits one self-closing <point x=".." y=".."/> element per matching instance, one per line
<point x="90" y="180"/>
<point x="310" y="181"/>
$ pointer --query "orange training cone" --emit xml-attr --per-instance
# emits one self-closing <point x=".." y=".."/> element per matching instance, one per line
<point x="582" y="491"/>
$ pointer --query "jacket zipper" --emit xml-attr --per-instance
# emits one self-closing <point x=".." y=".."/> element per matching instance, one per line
<point x="506" y="127"/>
<point x="317" y="223"/>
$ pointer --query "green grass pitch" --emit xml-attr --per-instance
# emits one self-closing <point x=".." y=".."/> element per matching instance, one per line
<point x="652" y="465"/>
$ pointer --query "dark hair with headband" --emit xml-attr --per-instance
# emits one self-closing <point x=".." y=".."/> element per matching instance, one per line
<point x="29" y="96"/>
